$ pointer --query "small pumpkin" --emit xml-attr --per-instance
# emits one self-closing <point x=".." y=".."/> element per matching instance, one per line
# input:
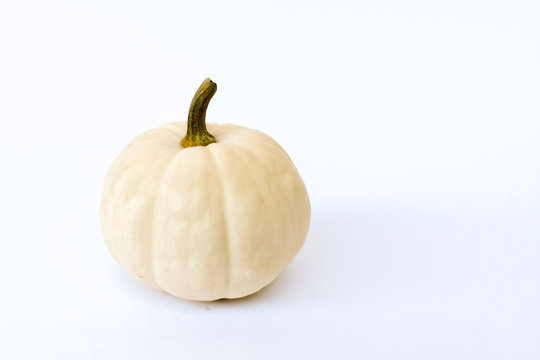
<point x="201" y="211"/>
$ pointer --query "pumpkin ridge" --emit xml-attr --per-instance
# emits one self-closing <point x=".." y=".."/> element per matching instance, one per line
<point x="225" y="217"/>
<point x="153" y="222"/>
<point x="251" y="152"/>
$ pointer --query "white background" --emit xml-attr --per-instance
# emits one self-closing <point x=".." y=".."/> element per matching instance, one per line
<point x="415" y="125"/>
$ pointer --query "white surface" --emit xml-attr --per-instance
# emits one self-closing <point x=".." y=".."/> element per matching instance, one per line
<point x="419" y="126"/>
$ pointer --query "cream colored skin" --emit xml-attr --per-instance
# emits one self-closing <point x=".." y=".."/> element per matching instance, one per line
<point x="204" y="222"/>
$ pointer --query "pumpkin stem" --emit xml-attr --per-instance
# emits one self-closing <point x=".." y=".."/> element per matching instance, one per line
<point x="197" y="135"/>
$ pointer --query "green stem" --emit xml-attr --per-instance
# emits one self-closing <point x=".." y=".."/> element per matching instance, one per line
<point x="197" y="135"/>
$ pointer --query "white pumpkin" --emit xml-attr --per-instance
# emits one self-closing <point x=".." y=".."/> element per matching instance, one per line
<point x="204" y="222"/>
